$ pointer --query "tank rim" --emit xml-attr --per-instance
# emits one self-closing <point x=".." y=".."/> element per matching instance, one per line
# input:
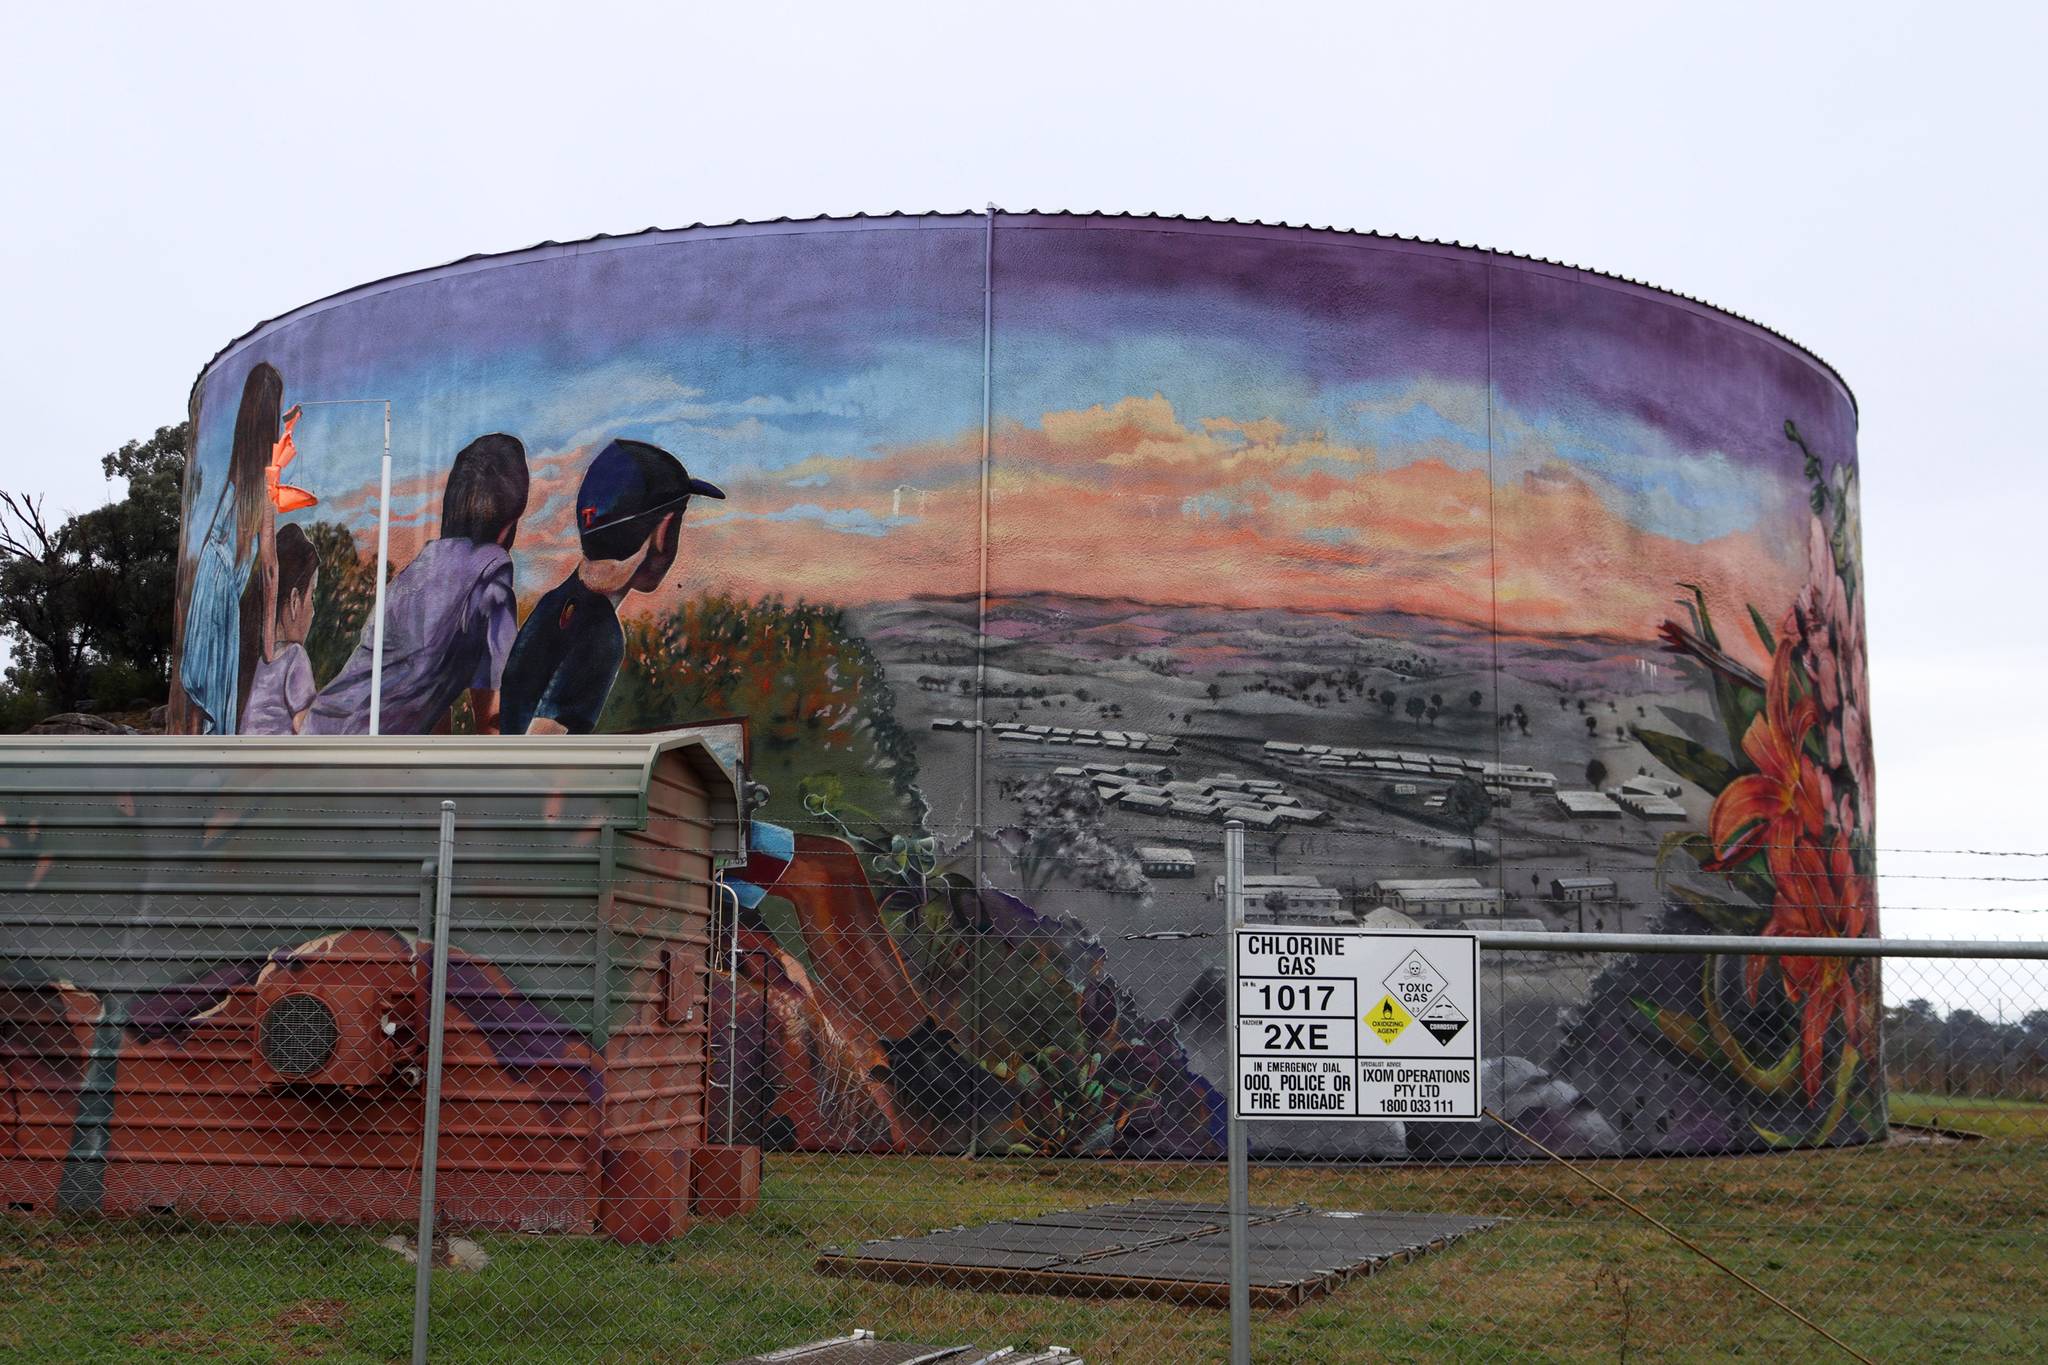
<point x="768" y="226"/>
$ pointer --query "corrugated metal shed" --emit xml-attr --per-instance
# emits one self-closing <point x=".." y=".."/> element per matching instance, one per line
<point x="213" y="962"/>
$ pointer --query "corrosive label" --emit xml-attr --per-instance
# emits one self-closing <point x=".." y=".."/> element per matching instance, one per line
<point x="1355" y="1024"/>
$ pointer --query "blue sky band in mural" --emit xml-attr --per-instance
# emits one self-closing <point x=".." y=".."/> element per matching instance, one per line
<point x="1478" y="590"/>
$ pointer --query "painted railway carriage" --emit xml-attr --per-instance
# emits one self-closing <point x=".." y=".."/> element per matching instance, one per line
<point x="1028" y="541"/>
<point x="217" y="959"/>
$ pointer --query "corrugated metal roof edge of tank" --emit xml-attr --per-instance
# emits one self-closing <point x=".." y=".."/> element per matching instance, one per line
<point x="1367" y="233"/>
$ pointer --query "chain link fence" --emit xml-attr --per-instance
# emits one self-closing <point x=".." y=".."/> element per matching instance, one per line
<point x="214" y="1102"/>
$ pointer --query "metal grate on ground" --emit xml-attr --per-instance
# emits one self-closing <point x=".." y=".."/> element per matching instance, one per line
<point x="1157" y="1249"/>
<point x="862" y="1348"/>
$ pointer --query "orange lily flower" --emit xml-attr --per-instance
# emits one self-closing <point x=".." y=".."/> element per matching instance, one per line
<point x="1820" y="895"/>
<point x="283" y="496"/>
<point x="1784" y="803"/>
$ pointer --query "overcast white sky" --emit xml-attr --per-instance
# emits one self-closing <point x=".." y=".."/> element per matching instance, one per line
<point x="1867" y="179"/>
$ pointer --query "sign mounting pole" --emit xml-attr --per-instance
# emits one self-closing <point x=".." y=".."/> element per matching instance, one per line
<point x="1234" y="1134"/>
<point x="1330" y="1023"/>
<point x="383" y="550"/>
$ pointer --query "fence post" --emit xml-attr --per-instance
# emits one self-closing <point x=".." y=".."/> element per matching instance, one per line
<point x="726" y="894"/>
<point x="1239" y="1155"/>
<point x="430" y="1142"/>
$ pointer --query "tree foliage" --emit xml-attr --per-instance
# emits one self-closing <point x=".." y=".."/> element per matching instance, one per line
<point x="1063" y="828"/>
<point x="1468" y="806"/>
<point x="132" y="549"/>
<point x="342" y="597"/>
<point x="85" y="603"/>
<point x="813" y="691"/>
<point x="41" y="602"/>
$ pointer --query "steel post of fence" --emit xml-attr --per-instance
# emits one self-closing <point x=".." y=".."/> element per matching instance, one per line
<point x="727" y="895"/>
<point x="430" y="1142"/>
<point x="1239" y="1154"/>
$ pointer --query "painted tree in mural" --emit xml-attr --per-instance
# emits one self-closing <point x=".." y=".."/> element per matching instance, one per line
<point x="817" y="699"/>
<point x="1467" y="806"/>
<point x="1063" y="829"/>
<point x="342" y="597"/>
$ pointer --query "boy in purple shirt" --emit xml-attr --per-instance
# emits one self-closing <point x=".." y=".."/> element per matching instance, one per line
<point x="450" y="615"/>
<point x="282" y="687"/>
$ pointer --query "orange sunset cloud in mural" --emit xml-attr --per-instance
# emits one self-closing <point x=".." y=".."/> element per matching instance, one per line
<point x="1158" y="507"/>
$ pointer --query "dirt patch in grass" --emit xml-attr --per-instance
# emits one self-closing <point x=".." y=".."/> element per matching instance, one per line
<point x="305" y="1330"/>
<point x="331" y="1314"/>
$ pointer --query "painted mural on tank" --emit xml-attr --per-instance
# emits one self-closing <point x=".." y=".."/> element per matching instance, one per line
<point x="1479" y="590"/>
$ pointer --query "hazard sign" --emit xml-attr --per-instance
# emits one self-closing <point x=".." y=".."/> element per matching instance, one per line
<point x="1387" y="1019"/>
<point x="1355" y="1024"/>
<point x="1444" y="1020"/>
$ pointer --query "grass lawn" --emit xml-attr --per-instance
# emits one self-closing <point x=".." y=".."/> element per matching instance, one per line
<point x="1917" y="1253"/>
<point x="2014" y="1120"/>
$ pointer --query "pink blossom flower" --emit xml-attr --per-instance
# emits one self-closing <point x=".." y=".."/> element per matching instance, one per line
<point x="1828" y="627"/>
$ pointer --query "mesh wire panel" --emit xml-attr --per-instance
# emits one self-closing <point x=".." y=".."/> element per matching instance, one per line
<point x="673" y="1128"/>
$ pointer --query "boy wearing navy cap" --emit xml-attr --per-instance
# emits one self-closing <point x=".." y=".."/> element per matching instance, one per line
<point x="629" y="517"/>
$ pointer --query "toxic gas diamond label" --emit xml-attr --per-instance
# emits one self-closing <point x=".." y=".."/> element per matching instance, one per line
<point x="1356" y="1024"/>
<point x="1415" y="983"/>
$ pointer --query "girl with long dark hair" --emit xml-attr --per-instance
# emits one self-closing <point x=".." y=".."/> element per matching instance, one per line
<point x="240" y="543"/>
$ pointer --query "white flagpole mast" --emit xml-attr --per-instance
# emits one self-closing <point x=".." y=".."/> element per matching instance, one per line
<point x="383" y="553"/>
<point x="383" y="558"/>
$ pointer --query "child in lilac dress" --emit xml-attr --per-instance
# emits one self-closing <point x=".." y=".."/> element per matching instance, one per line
<point x="450" y="616"/>
<point x="283" y="687"/>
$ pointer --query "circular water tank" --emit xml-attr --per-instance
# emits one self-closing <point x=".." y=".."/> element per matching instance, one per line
<point x="1035" y="548"/>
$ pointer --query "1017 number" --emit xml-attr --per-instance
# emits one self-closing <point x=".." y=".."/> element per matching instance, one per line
<point x="1289" y="999"/>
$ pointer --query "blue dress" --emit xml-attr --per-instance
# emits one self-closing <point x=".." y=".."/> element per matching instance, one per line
<point x="210" y="667"/>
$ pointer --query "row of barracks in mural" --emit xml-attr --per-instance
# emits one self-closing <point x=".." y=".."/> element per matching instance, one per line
<point x="1478" y="590"/>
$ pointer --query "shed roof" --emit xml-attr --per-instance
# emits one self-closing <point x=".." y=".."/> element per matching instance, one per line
<point x="481" y="767"/>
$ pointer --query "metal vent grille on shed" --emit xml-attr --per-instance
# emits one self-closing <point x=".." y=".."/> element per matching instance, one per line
<point x="299" y="1034"/>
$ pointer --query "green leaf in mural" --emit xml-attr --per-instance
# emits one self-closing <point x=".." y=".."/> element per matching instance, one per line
<point x="1693" y="845"/>
<point x="1739" y="706"/>
<point x="1702" y="618"/>
<point x="1838" y="1105"/>
<point x="1722" y="916"/>
<point x="1763" y="631"/>
<point x="1691" y="760"/>
<point x="1682" y="1031"/>
<point x="1753" y="879"/>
